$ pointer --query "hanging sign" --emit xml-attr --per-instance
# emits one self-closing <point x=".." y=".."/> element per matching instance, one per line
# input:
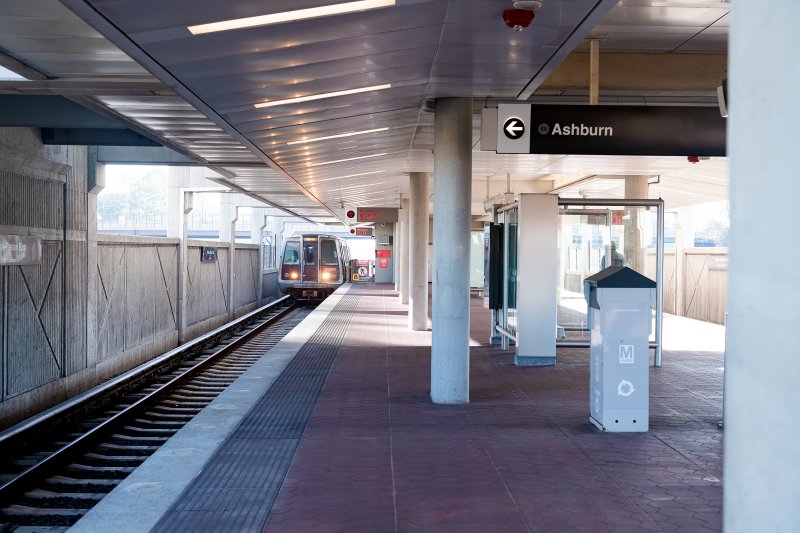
<point x="610" y="130"/>
<point x="20" y="250"/>
<point x="363" y="232"/>
<point x="377" y="214"/>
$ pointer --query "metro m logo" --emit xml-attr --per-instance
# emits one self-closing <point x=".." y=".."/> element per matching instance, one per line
<point x="626" y="354"/>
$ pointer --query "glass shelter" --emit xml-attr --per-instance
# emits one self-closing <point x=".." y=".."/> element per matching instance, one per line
<point x="592" y="235"/>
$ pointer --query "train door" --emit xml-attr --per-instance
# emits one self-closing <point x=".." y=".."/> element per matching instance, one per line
<point x="329" y="260"/>
<point x="310" y="259"/>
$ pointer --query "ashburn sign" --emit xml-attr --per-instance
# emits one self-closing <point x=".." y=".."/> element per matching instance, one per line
<point x="614" y="130"/>
<point x="20" y="250"/>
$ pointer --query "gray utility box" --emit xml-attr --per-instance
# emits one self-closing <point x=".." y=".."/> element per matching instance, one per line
<point x="619" y="301"/>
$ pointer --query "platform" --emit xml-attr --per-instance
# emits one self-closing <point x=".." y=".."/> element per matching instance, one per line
<point x="347" y="439"/>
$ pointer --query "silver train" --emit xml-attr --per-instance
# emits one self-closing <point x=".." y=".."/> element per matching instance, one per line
<point x="313" y="265"/>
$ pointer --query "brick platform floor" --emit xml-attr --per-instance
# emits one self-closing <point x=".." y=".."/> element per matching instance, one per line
<point x="521" y="456"/>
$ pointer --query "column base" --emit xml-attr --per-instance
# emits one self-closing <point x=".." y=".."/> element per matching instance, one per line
<point x="533" y="360"/>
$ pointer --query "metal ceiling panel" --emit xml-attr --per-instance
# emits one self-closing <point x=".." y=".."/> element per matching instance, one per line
<point x="424" y="48"/>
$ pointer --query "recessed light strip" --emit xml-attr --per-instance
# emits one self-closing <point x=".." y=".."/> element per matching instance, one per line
<point x="347" y="177"/>
<point x="339" y="136"/>
<point x="289" y="16"/>
<point x="345" y="160"/>
<point x="323" y="95"/>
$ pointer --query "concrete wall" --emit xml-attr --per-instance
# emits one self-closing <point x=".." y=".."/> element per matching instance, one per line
<point x="43" y="308"/>
<point x="269" y="290"/>
<point x="701" y="292"/>
<point x="95" y="306"/>
<point x="136" y="299"/>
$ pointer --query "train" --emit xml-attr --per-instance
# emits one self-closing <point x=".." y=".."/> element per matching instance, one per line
<point x="313" y="265"/>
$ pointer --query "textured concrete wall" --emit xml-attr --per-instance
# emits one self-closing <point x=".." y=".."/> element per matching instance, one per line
<point x="136" y="299"/>
<point x="95" y="306"/>
<point x="269" y="288"/>
<point x="43" y="322"/>
<point x="246" y="278"/>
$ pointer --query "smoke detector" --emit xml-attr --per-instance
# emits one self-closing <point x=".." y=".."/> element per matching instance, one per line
<point x="530" y="5"/>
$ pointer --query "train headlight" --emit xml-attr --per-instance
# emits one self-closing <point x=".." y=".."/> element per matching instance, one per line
<point x="326" y="276"/>
<point x="293" y="275"/>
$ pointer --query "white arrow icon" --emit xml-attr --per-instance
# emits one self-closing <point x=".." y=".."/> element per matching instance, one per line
<point x="514" y="128"/>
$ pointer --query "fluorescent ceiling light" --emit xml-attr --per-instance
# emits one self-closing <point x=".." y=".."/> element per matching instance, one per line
<point x="354" y="175"/>
<point x="339" y="136"/>
<point x="347" y="177"/>
<point x="323" y="95"/>
<point x="345" y="160"/>
<point x="290" y="16"/>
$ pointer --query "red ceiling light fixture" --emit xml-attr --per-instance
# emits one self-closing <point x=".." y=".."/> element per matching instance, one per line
<point x="521" y="14"/>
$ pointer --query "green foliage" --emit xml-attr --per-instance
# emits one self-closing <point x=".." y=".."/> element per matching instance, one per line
<point x="146" y="197"/>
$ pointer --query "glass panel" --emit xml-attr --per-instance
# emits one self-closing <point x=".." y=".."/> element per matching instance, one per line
<point x="512" y="219"/>
<point x="310" y="272"/>
<point x="310" y="253"/>
<point x="592" y="239"/>
<point x="328" y="254"/>
<point x="291" y="254"/>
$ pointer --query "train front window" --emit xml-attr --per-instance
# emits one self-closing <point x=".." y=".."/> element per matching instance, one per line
<point x="328" y="255"/>
<point x="291" y="255"/>
<point x="309" y="253"/>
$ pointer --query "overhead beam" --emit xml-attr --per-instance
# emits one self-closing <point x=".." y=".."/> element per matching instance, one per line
<point x="20" y="68"/>
<point x="49" y="112"/>
<point x="641" y="72"/>
<point x="142" y="155"/>
<point x="95" y="137"/>
<point x="99" y="86"/>
<point x="563" y="50"/>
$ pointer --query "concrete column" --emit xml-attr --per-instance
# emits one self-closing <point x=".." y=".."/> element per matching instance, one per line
<point x="177" y="178"/>
<point x="762" y="427"/>
<point x="234" y="213"/>
<point x="227" y="212"/>
<point x="680" y="295"/>
<point x="96" y="183"/>
<point x="418" y="253"/>
<point x="452" y="192"/>
<point x="636" y="187"/>
<point x="187" y="204"/>
<point x="261" y="252"/>
<point x="537" y="277"/>
<point x="404" y="225"/>
<point x="257" y="222"/>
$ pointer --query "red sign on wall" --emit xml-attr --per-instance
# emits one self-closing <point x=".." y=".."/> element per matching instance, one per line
<point x="384" y="262"/>
<point x="616" y="217"/>
<point x="377" y="214"/>
<point x="383" y="253"/>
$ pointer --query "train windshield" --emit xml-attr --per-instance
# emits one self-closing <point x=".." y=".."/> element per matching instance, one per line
<point x="328" y="255"/>
<point x="291" y="255"/>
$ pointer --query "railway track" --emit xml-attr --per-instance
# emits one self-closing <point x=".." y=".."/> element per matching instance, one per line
<point x="60" y="464"/>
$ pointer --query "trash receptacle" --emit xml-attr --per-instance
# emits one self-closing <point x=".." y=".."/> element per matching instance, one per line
<point x="619" y="306"/>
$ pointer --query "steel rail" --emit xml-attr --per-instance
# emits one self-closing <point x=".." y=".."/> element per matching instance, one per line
<point x="112" y="386"/>
<point x="14" y="487"/>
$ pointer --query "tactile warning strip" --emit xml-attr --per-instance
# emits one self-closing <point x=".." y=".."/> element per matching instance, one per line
<point x="237" y="488"/>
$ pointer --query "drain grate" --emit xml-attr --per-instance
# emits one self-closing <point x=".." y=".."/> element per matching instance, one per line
<point x="237" y="488"/>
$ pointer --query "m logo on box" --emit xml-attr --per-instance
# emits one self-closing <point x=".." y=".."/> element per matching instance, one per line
<point x="626" y="354"/>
